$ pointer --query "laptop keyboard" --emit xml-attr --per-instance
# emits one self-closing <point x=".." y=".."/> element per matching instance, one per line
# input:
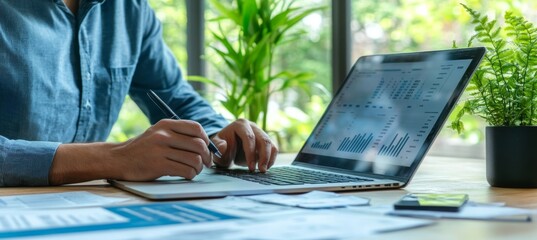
<point x="289" y="176"/>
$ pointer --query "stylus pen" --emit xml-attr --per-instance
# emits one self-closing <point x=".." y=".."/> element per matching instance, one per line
<point x="168" y="112"/>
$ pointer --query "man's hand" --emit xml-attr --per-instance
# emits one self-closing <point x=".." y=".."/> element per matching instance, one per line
<point x="243" y="135"/>
<point x="170" y="147"/>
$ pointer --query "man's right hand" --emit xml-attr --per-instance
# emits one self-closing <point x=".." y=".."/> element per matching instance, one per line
<point x="170" y="147"/>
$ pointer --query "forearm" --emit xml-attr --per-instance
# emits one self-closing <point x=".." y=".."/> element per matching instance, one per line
<point x="80" y="162"/>
<point x="170" y="147"/>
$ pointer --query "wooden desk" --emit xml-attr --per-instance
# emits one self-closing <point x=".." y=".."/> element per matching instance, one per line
<point x="436" y="174"/>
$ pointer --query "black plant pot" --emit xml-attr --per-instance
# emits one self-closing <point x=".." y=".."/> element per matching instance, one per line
<point x="512" y="156"/>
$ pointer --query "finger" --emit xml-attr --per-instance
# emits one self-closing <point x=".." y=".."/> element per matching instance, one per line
<point x="187" y="158"/>
<point x="173" y="168"/>
<point x="263" y="146"/>
<point x="185" y="127"/>
<point x="225" y="161"/>
<point x="191" y="144"/>
<point x="247" y="137"/>
<point x="273" y="153"/>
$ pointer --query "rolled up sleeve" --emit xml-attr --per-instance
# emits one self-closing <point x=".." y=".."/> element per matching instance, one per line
<point x="25" y="163"/>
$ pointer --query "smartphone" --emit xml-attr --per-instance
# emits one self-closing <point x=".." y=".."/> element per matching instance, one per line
<point x="432" y="202"/>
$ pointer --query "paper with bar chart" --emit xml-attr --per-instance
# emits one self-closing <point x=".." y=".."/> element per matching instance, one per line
<point x="385" y="111"/>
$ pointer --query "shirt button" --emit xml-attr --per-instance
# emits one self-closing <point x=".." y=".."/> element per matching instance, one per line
<point x="87" y="104"/>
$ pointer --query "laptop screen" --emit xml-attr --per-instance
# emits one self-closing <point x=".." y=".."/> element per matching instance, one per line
<point x="386" y="115"/>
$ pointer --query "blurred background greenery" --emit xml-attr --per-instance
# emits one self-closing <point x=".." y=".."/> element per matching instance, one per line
<point x="377" y="27"/>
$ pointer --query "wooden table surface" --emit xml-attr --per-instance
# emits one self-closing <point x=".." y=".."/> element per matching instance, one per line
<point x="436" y="174"/>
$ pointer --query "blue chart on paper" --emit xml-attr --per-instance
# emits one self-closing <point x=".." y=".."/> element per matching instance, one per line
<point x="133" y="216"/>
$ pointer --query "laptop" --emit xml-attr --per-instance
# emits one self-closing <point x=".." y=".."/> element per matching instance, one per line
<point x="373" y="135"/>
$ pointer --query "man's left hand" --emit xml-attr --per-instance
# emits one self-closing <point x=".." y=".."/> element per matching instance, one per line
<point x="243" y="135"/>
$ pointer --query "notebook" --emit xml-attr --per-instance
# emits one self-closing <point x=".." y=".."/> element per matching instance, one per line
<point x="373" y="135"/>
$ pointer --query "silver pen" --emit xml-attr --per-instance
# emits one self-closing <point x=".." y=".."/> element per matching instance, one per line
<point x="169" y="112"/>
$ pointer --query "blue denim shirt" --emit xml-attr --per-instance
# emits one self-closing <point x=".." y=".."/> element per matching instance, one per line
<point x="63" y="78"/>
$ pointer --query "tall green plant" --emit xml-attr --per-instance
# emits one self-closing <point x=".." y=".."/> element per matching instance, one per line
<point x="245" y="54"/>
<point x="503" y="89"/>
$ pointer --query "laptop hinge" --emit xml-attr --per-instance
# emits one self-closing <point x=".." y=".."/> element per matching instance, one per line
<point x="343" y="171"/>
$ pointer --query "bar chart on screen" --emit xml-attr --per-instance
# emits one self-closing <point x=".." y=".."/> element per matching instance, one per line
<point x="319" y="145"/>
<point x="395" y="147"/>
<point x="385" y="114"/>
<point x="357" y="144"/>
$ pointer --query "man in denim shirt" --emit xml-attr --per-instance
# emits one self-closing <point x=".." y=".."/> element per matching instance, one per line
<point x="66" y="67"/>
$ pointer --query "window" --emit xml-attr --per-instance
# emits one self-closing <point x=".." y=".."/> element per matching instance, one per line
<point x="375" y="27"/>
<point x="416" y="25"/>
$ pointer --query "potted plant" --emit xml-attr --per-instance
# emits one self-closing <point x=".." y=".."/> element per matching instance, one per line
<point x="249" y="33"/>
<point x="503" y="91"/>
